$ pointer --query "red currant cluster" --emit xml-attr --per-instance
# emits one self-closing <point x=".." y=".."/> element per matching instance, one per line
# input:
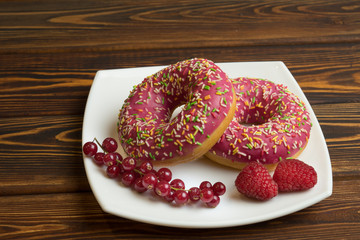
<point x="142" y="177"/>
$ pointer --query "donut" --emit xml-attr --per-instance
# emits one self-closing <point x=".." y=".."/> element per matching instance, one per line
<point x="270" y="124"/>
<point x="206" y="98"/>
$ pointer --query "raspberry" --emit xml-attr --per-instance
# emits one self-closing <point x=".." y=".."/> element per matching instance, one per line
<point x="255" y="181"/>
<point x="294" y="175"/>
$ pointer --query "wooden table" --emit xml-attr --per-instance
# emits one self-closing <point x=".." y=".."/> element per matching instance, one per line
<point x="51" y="50"/>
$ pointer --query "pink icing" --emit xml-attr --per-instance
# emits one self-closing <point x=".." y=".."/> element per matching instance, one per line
<point x="145" y="128"/>
<point x="270" y="124"/>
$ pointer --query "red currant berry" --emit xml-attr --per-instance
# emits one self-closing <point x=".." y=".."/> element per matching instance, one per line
<point x="129" y="163"/>
<point x="128" y="178"/>
<point x="194" y="194"/>
<point x="113" y="171"/>
<point x="177" y="184"/>
<point x="119" y="158"/>
<point x="206" y="195"/>
<point x="110" y="159"/>
<point x="138" y="186"/>
<point x="219" y="188"/>
<point x="146" y="167"/>
<point x="181" y="197"/>
<point x="99" y="158"/>
<point x="205" y="184"/>
<point x="122" y="170"/>
<point x="164" y="174"/>
<point x="109" y="145"/>
<point x="149" y="180"/>
<point x="214" y="202"/>
<point x="162" y="188"/>
<point x="90" y="149"/>
<point x="170" y="197"/>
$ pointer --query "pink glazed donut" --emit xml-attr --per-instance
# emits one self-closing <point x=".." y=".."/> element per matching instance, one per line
<point x="146" y="130"/>
<point x="270" y="124"/>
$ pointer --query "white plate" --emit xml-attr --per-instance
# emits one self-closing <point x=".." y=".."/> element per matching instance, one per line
<point x="108" y="91"/>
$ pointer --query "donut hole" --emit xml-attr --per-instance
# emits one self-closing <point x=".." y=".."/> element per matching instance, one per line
<point x="176" y="111"/>
<point x="258" y="115"/>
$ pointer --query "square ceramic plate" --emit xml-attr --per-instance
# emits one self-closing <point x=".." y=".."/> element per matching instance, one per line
<point x="109" y="90"/>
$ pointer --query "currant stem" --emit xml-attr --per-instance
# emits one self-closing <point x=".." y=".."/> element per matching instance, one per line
<point x="138" y="171"/>
<point x="98" y="143"/>
<point x="174" y="188"/>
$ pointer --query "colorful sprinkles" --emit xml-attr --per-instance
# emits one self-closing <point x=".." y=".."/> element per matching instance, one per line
<point x="146" y="127"/>
<point x="270" y="124"/>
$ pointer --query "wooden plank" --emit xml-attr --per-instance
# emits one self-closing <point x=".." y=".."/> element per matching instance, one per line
<point x="41" y="155"/>
<point x="78" y="216"/>
<point x="58" y="83"/>
<point x="123" y="25"/>
<point x="340" y="124"/>
<point x="46" y="151"/>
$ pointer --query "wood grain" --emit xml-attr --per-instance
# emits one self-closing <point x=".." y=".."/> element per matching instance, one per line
<point x="58" y="83"/>
<point x="340" y="124"/>
<point x="50" y="52"/>
<point x="45" y="152"/>
<point x="78" y="216"/>
<point x="124" y="25"/>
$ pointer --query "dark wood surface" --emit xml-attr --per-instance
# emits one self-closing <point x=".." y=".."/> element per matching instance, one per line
<point x="51" y="50"/>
